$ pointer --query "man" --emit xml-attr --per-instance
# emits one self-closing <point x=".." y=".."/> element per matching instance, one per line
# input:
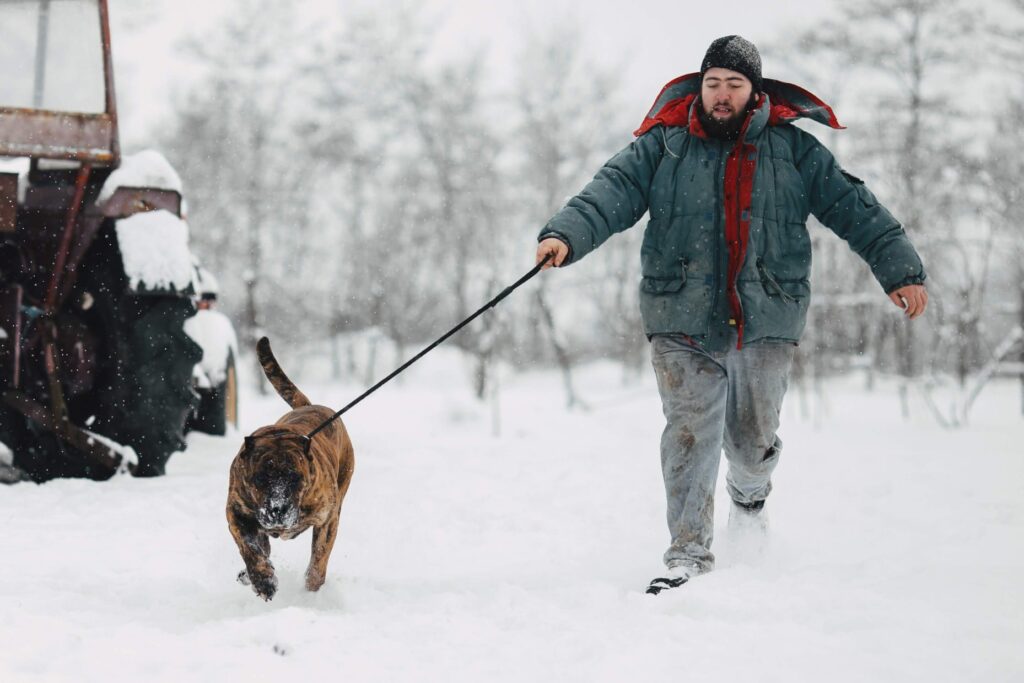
<point x="726" y="257"/>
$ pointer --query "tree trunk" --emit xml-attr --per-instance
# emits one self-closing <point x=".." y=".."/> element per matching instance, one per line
<point x="561" y="354"/>
<point x="480" y="375"/>
<point x="252" y="277"/>
<point x="252" y="327"/>
<point x="1020" y="319"/>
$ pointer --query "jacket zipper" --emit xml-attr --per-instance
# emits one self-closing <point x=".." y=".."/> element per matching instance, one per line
<point x="739" y="220"/>
<point x="718" y="242"/>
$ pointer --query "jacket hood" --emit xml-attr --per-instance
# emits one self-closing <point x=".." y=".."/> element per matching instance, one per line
<point x="786" y="102"/>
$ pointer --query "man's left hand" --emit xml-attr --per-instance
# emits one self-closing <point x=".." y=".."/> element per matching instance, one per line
<point x="913" y="299"/>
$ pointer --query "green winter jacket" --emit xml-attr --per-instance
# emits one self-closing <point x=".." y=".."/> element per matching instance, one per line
<point x="726" y="246"/>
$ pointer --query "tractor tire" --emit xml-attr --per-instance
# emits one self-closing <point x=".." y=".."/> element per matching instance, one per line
<point x="218" y="406"/>
<point x="160" y="381"/>
<point x="141" y="392"/>
<point x="143" y="395"/>
<point x="38" y="454"/>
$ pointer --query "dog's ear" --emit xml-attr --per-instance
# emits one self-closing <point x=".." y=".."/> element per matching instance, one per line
<point x="250" y="444"/>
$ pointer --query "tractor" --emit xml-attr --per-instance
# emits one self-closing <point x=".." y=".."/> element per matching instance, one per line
<point x="98" y="373"/>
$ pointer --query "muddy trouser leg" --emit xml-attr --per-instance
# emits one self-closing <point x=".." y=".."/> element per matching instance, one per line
<point x="693" y="387"/>
<point x="758" y="377"/>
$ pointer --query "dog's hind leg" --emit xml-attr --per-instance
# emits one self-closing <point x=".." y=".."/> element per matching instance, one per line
<point x="323" y="542"/>
<point x="254" y="546"/>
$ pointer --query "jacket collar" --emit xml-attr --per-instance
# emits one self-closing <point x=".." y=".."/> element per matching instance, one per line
<point x="782" y="102"/>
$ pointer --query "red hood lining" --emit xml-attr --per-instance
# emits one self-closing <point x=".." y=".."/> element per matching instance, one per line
<point x="676" y="112"/>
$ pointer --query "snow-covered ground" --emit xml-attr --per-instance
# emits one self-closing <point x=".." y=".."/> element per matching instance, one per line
<point x="896" y="552"/>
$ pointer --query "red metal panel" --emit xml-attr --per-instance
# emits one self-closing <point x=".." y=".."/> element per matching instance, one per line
<point x="66" y="240"/>
<point x="127" y="201"/>
<point x="108" y="72"/>
<point x="8" y="202"/>
<point x="58" y="135"/>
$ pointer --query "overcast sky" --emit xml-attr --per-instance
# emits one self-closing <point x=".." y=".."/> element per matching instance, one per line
<point x="660" y="39"/>
<point x="653" y="40"/>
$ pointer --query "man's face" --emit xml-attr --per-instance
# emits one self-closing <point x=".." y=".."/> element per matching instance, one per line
<point x="725" y="94"/>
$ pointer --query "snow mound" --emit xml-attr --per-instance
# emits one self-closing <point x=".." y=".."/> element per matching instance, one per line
<point x="9" y="474"/>
<point x="154" y="247"/>
<point x="127" y="453"/>
<point x="19" y="165"/>
<point x="205" y="282"/>
<point x="148" y="168"/>
<point x="213" y="331"/>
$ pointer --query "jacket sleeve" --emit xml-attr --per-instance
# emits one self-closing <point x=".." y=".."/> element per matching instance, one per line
<point x="614" y="200"/>
<point x="846" y="206"/>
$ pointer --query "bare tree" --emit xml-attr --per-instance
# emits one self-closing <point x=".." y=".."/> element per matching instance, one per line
<point x="245" y="191"/>
<point x="904" y="57"/>
<point x="387" y="196"/>
<point x="991" y="279"/>
<point x="371" y="193"/>
<point x="460" y="149"/>
<point x="570" y="122"/>
<point x="1005" y="168"/>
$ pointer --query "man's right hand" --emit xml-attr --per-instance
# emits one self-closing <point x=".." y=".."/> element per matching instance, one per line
<point x="556" y="248"/>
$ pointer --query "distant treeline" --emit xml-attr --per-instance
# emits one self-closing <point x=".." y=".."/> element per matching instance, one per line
<point x="338" y="180"/>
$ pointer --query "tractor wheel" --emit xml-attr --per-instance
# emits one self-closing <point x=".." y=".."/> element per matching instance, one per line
<point x="143" y="394"/>
<point x="38" y="454"/>
<point x="218" y="406"/>
<point x="160" y="377"/>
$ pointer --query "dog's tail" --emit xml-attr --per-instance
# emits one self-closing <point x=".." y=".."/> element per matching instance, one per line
<point x="284" y="386"/>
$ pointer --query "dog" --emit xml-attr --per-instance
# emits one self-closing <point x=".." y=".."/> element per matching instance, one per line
<point x="282" y="483"/>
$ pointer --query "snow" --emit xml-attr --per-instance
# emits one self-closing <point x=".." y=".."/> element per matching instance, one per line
<point x="126" y="453"/>
<point x="8" y="473"/>
<point x="154" y="247"/>
<point x="895" y="550"/>
<point x="205" y="282"/>
<point x="148" y="168"/>
<point x="19" y="165"/>
<point x="213" y="331"/>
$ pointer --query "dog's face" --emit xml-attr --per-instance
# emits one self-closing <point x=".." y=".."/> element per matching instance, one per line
<point x="278" y="474"/>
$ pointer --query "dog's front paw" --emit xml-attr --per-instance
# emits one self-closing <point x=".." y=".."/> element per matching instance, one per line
<point x="314" y="580"/>
<point x="243" y="578"/>
<point x="265" y="586"/>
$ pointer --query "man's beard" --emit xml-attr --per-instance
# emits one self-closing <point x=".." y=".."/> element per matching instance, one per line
<point x="724" y="129"/>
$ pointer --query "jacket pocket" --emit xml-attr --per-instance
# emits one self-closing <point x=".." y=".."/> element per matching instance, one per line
<point x="661" y="285"/>
<point x="771" y="284"/>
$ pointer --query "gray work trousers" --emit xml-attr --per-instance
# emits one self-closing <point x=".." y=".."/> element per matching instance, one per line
<point x="712" y="400"/>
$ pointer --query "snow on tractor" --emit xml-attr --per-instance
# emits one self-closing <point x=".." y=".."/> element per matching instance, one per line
<point x="103" y="362"/>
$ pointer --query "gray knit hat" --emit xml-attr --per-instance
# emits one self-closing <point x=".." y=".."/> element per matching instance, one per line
<point x="737" y="54"/>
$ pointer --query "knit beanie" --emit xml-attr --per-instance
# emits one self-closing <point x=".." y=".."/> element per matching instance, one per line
<point x="737" y="54"/>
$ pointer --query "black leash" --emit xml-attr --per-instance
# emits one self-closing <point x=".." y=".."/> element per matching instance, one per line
<point x="490" y="304"/>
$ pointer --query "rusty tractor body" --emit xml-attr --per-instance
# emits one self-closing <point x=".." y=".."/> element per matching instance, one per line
<point x="95" y="366"/>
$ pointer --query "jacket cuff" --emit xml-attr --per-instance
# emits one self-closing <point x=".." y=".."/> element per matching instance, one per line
<point x="912" y="280"/>
<point x="561" y="238"/>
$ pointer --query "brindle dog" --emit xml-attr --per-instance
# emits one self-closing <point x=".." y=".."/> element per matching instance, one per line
<point x="282" y="483"/>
